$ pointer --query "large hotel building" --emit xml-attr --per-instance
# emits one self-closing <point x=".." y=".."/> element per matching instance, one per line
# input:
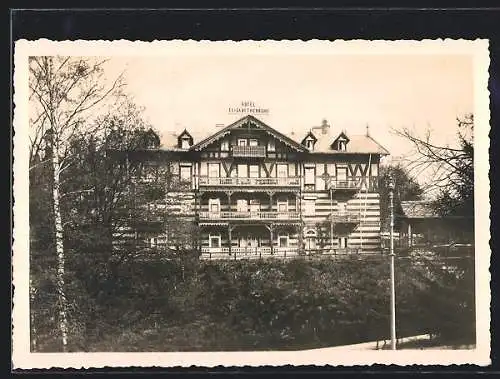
<point x="249" y="191"/>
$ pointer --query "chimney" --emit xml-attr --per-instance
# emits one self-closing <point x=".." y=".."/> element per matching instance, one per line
<point x="324" y="127"/>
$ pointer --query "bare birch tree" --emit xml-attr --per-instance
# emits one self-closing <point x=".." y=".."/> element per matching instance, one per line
<point x="65" y="92"/>
<point x="450" y="168"/>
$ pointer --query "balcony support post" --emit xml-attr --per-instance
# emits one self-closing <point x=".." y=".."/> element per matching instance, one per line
<point x="230" y="237"/>
<point x="197" y="207"/>
<point x="270" y="228"/>
<point x="228" y="194"/>
<point x="271" y="194"/>
<point x="331" y="219"/>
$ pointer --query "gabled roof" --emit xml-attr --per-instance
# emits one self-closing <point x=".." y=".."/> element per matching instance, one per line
<point x="358" y="144"/>
<point x="235" y="125"/>
<point x="342" y="137"/>
<point x="170" y="139"/>
<point x="185" y="133"/>
<point x="183" y="136"/>
<point x="310" y="134"/>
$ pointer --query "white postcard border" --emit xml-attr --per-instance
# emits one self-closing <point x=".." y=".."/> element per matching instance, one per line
<point x="22" y="357"/>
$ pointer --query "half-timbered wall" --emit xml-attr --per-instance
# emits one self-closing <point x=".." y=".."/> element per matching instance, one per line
<point x="233" y="168"/>
<point x="354" y="192"/>
<point x="243" y="234"/>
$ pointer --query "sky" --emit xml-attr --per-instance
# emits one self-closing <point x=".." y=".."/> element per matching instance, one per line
<point x="385" y="92"/>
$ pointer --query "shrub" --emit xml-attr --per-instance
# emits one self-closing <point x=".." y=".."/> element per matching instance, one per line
<point x="166" y="305"/>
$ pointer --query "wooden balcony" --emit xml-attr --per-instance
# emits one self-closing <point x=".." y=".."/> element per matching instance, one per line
<point x="345" y="218"/>
<point x="248" y="151"/>
<point x="260" y="215"/>
<point x="348" y="184"/>
<point x="249" y="182"/>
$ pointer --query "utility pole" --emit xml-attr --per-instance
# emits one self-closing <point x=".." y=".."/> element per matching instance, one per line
<point x="391" y="255"/>
<point x="331" y="217"/>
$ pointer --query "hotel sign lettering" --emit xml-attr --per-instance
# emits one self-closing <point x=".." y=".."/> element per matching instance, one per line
<point x="248" y="107"/>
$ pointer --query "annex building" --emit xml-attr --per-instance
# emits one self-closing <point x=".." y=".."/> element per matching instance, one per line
<point x="248" y="190"/>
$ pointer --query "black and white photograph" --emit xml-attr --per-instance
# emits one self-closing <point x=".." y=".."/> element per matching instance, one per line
<point x="250" y="203"/>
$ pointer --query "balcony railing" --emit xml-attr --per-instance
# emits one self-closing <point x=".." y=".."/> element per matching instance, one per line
<point x="262" y="250"/>
<point x="215" y="250"/>
<point x="345" y="218"/>
<point x="250" y="182"/>
<point x="260" y="215"/>
<point x="249" y="151"/>
<point x="247" y="252"/>
<point x="349" y="183"/>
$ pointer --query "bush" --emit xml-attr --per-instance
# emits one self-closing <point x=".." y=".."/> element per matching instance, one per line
<point x="166" y="305"/>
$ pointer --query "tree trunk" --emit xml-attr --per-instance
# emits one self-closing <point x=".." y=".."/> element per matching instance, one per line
<point x="32" y="317"/>
<point x="63" y="322"/>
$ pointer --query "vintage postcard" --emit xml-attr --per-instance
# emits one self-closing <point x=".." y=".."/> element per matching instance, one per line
<point x="251" y="203"/>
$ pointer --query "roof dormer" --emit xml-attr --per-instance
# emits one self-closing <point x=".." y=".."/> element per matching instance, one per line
<point x="184" y="140"/>
<point x="340" y="143"/>
<point x="309" y="141"/>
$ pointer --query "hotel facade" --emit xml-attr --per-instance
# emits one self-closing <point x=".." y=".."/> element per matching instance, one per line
<point x="249" y="191"/>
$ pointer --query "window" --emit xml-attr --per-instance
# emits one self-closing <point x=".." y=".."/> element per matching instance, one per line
<point x="203" y="169"/>
<point x="213" y="170"/>
<point x="311" y="240"/>
<point x="309" y="175"/>
<point x="341" y="207"/>
<point x="185" y="143"/>
<point x="255" y="205"/>
<point x="282" y="206"/>
<point x="242" y="171"/>
<point x="374" y="169"/>
<point x="271" y="146"/>
<point x="342" y="145"/>
<point x="242" y="142"/>
<point x="282" y="170"/>
<point x="253" y="241"/>
<point x="253" y="142"/>
<point x="224" y="146"/>
<point x="310" y="143"/>
<point x="242" y="240"/>
<point x="311" y="233"/>
<point x="309" y="207"/>
<point x="330" y="169"/>
<point x="242" y="205"/>
<point x="185" y="173"/>
<point x="342" y="242"/>
<point x="342" y="176"/>
<point x="254" y="171"/>
<point x="214" y="240"/>
<point x="283" y="241"/>
<point x="214" y="205"/>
